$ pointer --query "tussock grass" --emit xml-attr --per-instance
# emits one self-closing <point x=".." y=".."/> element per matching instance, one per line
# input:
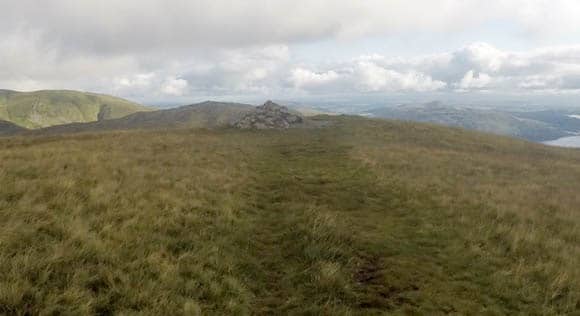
<point x="364" y="217"/>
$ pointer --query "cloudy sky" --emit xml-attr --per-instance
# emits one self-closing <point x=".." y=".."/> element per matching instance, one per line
<point x="177" y="51"/>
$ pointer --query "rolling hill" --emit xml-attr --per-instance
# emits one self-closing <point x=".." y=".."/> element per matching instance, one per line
<point x="55" y="107"/>
<point x="560" y="118"/>
<point x="201" y="115"/>
<point x="209" y="114"/>
<point x="361" y="217"/>
<point x="534" y="126"/>
<point x="8" y="128"/>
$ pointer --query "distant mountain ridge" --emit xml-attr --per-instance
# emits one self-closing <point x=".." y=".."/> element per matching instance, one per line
<point x="71" y="112"/>
<point x="563" y="119"/>
<point x="207" y="114"/>
<point x="46" y="108"/>
<point x="534" y="127"/>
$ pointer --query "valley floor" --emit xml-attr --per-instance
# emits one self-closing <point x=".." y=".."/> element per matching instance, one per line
<point x="361" y="218"/>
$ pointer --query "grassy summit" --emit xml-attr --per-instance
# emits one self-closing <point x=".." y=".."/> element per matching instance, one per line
<point x="361" y="217"/>
<point x="54" y="107"/>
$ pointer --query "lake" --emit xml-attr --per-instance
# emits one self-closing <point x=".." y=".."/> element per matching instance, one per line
<point x="569" y="141"/>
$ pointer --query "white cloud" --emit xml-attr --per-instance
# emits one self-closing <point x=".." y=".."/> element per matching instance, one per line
<point x="473" y="80"/>
<point x="138" y="80"/>
<point x="174" y="86"/>
<point x="371" y="77"/>
<point x="361" y="77"/>
<point x="251" y="70"/>
<point x="476" y="67"/>
<point x="305" y="78"/>
<point x="481" y="55"/>
<point x="482" y="66"/>
<point x="152" y="84"/>
<point x="272" y="70"/>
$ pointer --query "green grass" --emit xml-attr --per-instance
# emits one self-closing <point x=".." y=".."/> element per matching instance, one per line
<point x="55" y="107"/>
<point x="361" y="218"/>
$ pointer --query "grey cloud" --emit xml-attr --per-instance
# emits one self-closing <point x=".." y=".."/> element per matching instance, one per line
<point x="154" y="48"/>
<point x="105" y="27"/>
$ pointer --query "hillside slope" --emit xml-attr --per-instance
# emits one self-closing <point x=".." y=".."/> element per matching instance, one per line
<point x="54" y="107"/>
<point x="8" y="128"/>
<point x="521" y="125"/>
<point x="366" y="217"/>
<point x="201" y="115"/>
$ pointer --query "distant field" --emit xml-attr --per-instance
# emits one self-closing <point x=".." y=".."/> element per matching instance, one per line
<point x="360" y="218"/>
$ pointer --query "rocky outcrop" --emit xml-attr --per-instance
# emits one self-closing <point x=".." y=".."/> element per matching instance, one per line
<point x="269" y="116"/>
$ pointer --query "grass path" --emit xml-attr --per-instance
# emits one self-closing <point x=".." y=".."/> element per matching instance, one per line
<point x="319" y="227"/>
<point x="301" y="250"/>
<point x="330" y="238"/>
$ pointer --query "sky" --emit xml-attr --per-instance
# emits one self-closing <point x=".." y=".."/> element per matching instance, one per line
<point x="169" y="52"/>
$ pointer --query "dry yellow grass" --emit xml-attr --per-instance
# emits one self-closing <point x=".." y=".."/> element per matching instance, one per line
<point x="363" y="217"/>
<point x="91" y="223"/>
<point x="514" y="203"/>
